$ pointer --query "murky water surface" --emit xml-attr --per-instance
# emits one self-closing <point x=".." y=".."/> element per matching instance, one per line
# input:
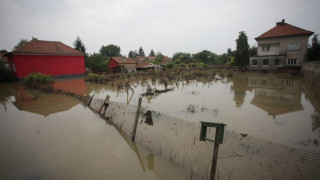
<point x="48" y="136"/>
<point x="275" y="107"/>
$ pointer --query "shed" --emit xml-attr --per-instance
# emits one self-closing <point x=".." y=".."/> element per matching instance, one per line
<point x="125" y="64"/>
<point x="48" y="57"/>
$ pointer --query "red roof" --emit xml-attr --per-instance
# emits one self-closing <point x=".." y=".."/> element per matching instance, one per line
<point x="122" y="60"/>
<point x="151" y="58"/>
<point x="145" y="65"/>
<point x="36" y="46"/>
<point x="284" y="29"/>
<point x="140" y="58"/>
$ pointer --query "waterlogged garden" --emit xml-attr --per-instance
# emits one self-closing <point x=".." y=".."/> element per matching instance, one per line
<point x="273" y="126"/>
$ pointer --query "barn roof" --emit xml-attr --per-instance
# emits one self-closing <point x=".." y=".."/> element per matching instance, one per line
<point x="145" y="65"/>
<point x="122" y="60"/>
<point x="284" y="29"/>
<point x="36" y="46"/>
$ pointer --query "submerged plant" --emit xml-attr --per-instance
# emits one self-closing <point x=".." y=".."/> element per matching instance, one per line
<point x="39" y="81"/>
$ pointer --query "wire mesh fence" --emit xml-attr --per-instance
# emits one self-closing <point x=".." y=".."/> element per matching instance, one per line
<point x="240" y="157"/>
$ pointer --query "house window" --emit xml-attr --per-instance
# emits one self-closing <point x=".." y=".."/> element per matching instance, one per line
<point x="277" y="62"/>
<point x="254" y="62"/>
<point x="293" y="46"/>
<point x="265" y="48"/>
<point x="292" y="61"/>
<point x="266" y="62"/>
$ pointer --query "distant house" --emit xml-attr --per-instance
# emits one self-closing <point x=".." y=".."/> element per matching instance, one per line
<point x="150" y="58"/>
<point x="122" y="64"/>
<point x="140" y="58"/>
<point x="284" y="45"/>
<point x="48" y="57"/>
<point x="145" y="65"/>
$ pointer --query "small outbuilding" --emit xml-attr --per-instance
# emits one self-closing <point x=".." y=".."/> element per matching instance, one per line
<point x="122" y="64"/>
<point x="48" y="57"/>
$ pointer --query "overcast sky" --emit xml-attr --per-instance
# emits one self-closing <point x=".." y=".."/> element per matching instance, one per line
<point x="166" y="26"/>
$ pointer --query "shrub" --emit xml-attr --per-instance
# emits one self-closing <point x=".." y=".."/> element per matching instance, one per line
<point x="39" y="81"/>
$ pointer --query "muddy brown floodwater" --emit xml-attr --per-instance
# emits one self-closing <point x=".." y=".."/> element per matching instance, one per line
<point x="48" y="136"/>
<point x="275" y="107"/>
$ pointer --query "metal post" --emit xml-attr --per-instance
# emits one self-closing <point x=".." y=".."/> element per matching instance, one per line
<point x="215" y="157"/>
<point x="136" y="119"/>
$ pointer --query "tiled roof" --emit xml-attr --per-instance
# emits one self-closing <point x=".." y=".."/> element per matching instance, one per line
<point x="145" y="65"/>
<point x="36" y="46"/>
<point x="151" y="57"/>
<point x="284" y="29"/>
<point x="121" y="60"/>
<point x="140" y="58"/>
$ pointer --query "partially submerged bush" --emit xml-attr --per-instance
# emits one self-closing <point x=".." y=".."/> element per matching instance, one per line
<point x="39" y="81"/>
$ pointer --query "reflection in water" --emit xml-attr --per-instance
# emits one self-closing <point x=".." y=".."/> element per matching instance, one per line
<point x="275" y="95"/>
<point x="43" y="104"/>
<point x="76" y="85"/>
<point x="240" y="85"/>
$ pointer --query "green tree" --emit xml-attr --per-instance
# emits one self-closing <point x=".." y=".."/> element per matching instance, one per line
<point x="133" y="54"/>
<point x="5" y="73"/>
<point x="152" y="53"/>
<point x="78" y="45"/>
<point x="205" y="56"/>
<point x="314" y="49"/>
<point x="159" y="58"/>
<point x="21" y="43"/>
<point x="170" y="65"/>
<point x="242" y="51"/>
<point x="253" y="51"/>
<point x="110" y="51"/>
<point x="97" y="62"/>
<point x="3" y="51"/>
<point x="181" y="57"/>
<point x="141" y="52"/>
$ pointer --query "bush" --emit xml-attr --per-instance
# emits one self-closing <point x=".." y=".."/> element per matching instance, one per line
<point x="5" y="73"/>
<point x="39" y="81"/>
<point x="170" y="65"/>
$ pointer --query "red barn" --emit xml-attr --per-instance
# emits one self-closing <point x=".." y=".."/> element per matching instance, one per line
<point x="48" y="57"/>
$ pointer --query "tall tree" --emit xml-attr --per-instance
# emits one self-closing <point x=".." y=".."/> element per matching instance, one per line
<point x="152" y="53"/>
<point x="78" y="45"/>
<point x="242" y="51"/>
<point x="314" y="49"/>
<point x="141" y="52"/>
<point x="253" y="51"/>
<point x="21" y="43"/>
<point x="97" y="62"/>
<point x="159" y="58"/>
<point x="110" y="51"/>
<point x="133" y="54"/>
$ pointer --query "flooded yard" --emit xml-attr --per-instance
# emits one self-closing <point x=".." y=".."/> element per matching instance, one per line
<point x="56" y="137"/>
<point x="50" y="136"/>
<point x="274" y="107"/>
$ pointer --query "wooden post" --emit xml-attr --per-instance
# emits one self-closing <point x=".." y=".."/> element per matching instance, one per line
<point x="136" y="120"/>
<point x="129" y="86"/>
<point x="215" y="157"/>
<point x="90" y="100"/>
<point x="104" y="103"/>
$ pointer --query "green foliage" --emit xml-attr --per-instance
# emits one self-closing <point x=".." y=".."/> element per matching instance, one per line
<point x="253" y="51"/>
<point x="21" y="43"/>
<point x="133" y="54"/>
<point x="141" y="52"/>
<point x="314" y="49"/>
<point x="78" y="45"/>
<point x="152" y="53"/>
<point x="5" y="73"/>
<point x="204" y="56"/>
<point x="97" y="62"/>
<point x="170" y="65"/>
<point x="3" y="51"/>
<point x="159" y="58"/>
<point x="242" y="51"/>
<point x="39" y="81"/>
<point x="182" y="58"/>
<point x="110" y="51"/>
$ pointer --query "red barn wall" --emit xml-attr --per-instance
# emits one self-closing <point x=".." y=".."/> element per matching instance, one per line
<point x="52" y="65"/>
<point x="112" y="64"/>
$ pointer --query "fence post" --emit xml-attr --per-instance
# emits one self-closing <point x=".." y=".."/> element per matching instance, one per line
<point x="136" y="119"/>
<point x="90" y="99"/>
<point x="104" y="104"/>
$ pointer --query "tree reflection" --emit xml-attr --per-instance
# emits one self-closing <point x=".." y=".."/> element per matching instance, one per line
<point x="315" y="121"/>
<point x="239" y="87"/>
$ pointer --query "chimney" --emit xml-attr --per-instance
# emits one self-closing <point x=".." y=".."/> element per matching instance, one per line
<point x="282" y="21"/>
<point x="33" y="38"/>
